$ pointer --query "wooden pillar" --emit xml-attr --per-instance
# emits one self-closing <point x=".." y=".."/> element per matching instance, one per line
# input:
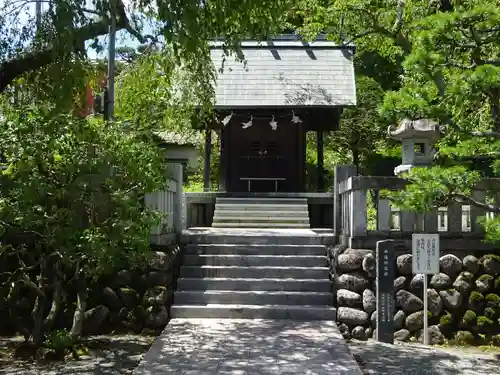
<point x="320" y="155"/>
<point x="206" y="159"/>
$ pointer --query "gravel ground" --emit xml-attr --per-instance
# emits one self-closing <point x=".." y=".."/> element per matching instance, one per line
<point x="109" y="355"/>
<point x="413" y="359"/>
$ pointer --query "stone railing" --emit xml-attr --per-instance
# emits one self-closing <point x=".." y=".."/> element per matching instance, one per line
<point x="364" y="217"/>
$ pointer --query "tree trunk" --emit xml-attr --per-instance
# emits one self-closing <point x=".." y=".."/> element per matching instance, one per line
<point x="78" y="317"/>
<point x="54" y="309"/>
<point x="37" y="333"/>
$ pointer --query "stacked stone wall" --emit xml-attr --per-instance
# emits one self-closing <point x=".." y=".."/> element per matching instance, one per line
<point x="463" y="299"/>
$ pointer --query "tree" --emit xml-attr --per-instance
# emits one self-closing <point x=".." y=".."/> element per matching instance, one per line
<point x="453" y="77"/>
<point x="186" y="26"/>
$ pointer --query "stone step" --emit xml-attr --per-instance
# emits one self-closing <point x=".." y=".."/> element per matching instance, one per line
<point x="228" y="249"/>
<point x="255" y="272"/>
<point x="265" y="284"/>
<point x="252" y="298"/>
<point x="252" y="237"/>
<point x="277" y="218"/>
<point x="259" y="214"/>
<point x="260" y="207"/>
<point x="248" y="224"/>
<point x="253" y="312"/>
<point x="256" y="260"/>
<point x="238" y="201"/>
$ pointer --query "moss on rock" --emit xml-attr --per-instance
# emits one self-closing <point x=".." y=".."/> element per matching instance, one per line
<point x="484" y="324"/>
<point x="493" y="301"/>
<point x="469" y="317"/>
<point x="496" y="284"/>
<point x="490" y="313"/>
<point x="495" y="340"/>
<point x="490" y="256"/>
<point x="467" y="276"/>
<point x="485" y="278"/>
<point x="464" y="338"/>
<point x="446" y="319"/>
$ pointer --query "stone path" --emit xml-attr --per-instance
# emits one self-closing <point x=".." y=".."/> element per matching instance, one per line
<point x="382" y="359"/>
<point x="250" y="347"/>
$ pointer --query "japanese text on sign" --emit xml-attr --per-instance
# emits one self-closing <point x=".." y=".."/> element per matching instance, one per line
<point x="425" y="251"/>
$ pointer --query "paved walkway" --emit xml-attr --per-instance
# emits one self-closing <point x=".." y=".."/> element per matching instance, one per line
<point x="250" y="347"/>
<point x="403" y="359"/>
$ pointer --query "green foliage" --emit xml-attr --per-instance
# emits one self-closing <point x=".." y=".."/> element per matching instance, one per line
<point x="59" y="340"/>
<point x="80" y="185"/>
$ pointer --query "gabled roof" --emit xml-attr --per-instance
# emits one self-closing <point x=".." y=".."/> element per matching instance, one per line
<point x="285" y="73"/>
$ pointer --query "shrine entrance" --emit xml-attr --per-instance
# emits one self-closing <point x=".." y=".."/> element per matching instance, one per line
<point x="260" y="159"/>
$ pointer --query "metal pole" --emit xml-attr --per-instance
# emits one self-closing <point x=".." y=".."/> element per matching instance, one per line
<point x="38" y="12"/>
<point x="111" y="64"/>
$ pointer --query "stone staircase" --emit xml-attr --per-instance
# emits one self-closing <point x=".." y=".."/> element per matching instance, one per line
<point x="261" y="213"/>
<point x="254" y="274"/>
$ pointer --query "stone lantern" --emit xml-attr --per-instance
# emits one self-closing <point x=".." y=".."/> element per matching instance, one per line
<point x="418" y="138"/>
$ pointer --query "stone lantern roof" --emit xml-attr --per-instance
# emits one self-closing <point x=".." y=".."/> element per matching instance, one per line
<point x="421" y="128"/>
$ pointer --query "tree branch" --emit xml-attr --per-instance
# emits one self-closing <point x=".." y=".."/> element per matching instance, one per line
<point x="32" y="61"/>
<point x="463" y="198"/>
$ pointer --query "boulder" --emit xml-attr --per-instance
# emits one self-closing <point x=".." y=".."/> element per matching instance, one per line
<point x="347" y="298"/>
<point x="156" y="296"/>
<point x="463" y="283"/>
<point x="441" y="281"/>
<point x="369" y="301"/>
<point x="111" y="299"/>
<point x="349" y="262"/>
<point x="404" y="264"/>
<point x="129" y="297"/>
<point x="157" y="278"/>
<point x="160" y="261"/>
<point x="373" y="319"/>
<point x="452" y="299"/>
<point x="434" y="302"/>
<point x="351" y="317"/>
<point x="417" y="285"/>
<point x="476" y="301"/>
<point x="344" y="330"/>
<point x="94" y="319"/>
<point x="368" y="332"/>
<point x="123" y="278"/>
<point x="434" y="335"/>
<point x="355" y="282"/>
<point x="157" y="317"/>
<point x="399" y="283"/>
<point x="484" y="283"/>
<point x="402" y="335"/>
<point x="408" y="301"/>
<point x="415" y="321"/>
<point x="399" y="320"/>
<point x="358" y="333"/>
<point x="491" y="265"/>
<point x="450" y="264"/>
<point x="369" y="265"/>
<point x="471" y="264"/>
<point x="334" y="252"/>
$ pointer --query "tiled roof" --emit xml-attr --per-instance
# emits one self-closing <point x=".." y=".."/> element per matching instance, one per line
<point x="285" y="73"/>
<point x="185" y="138"/>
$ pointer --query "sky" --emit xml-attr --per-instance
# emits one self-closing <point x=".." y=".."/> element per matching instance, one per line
<point x="122" y="37"/>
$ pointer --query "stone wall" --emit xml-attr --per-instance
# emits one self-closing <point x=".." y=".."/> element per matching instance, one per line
<point x="463" y="299"/>
<point x="128" y="301"/>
